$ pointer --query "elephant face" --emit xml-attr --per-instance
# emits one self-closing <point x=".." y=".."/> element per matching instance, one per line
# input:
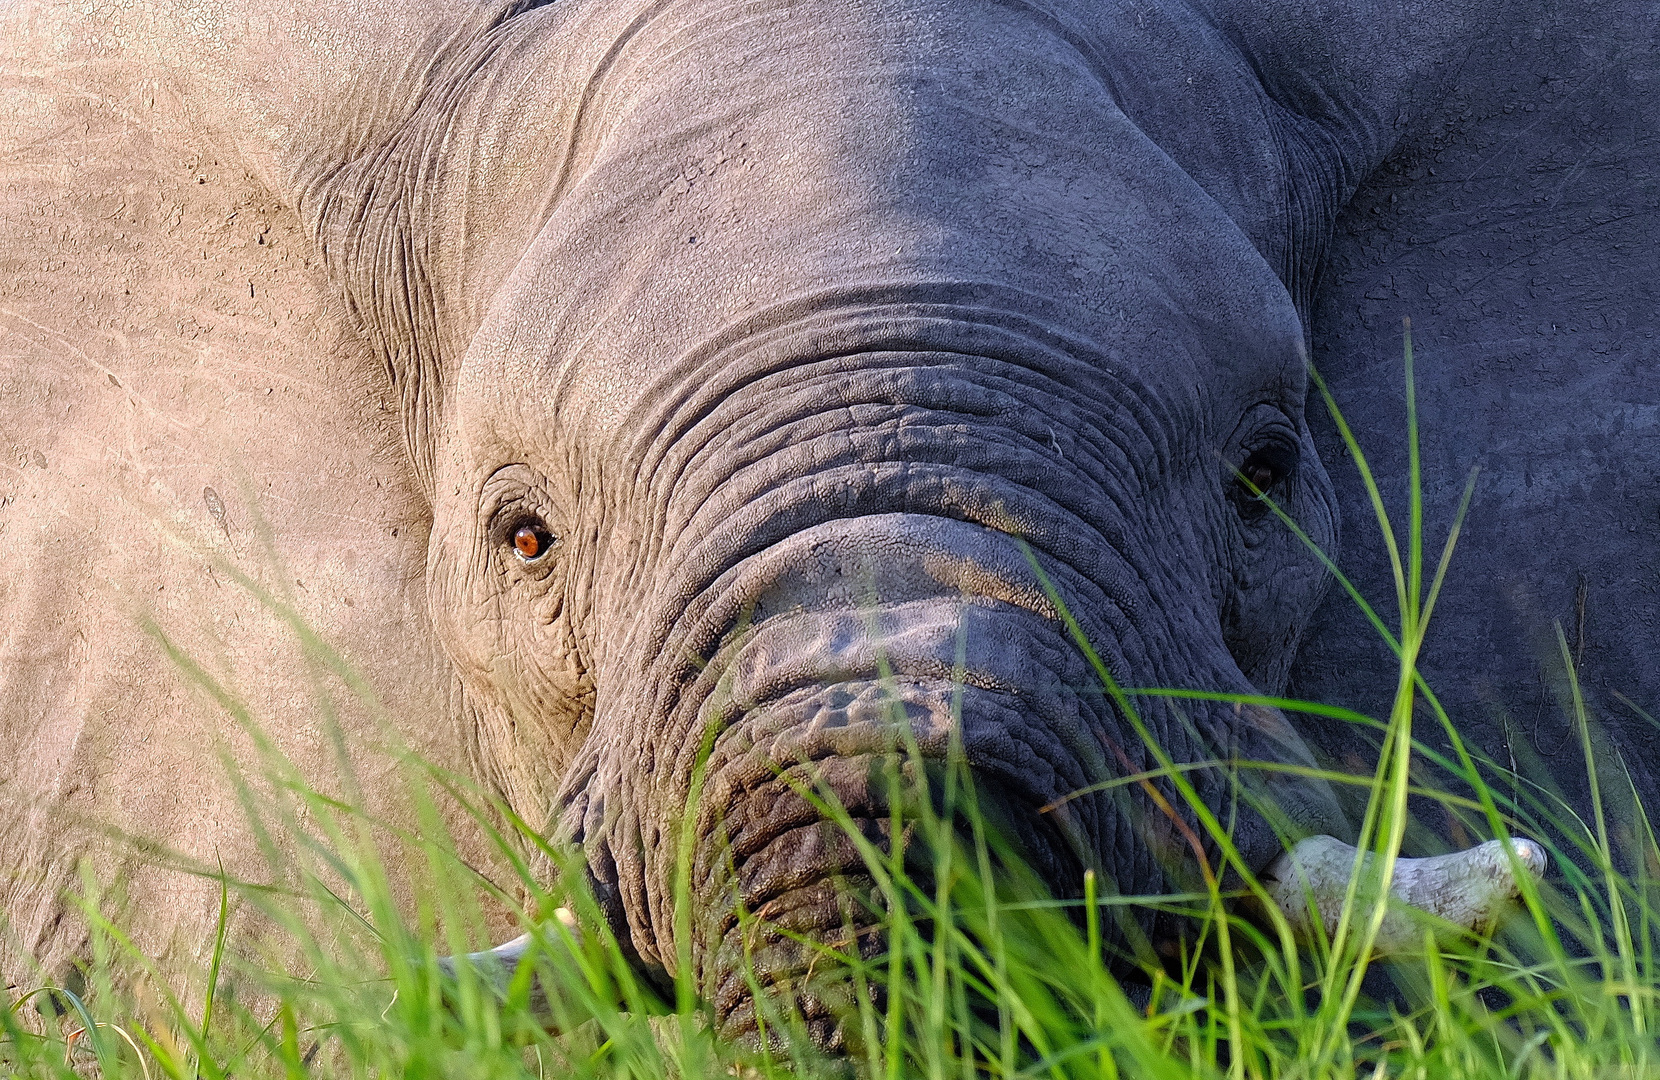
<point x="822" y="335"/>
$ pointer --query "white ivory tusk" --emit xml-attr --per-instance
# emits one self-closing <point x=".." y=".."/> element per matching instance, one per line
<point x="497" y="964"/>
<point x="1466" y="888"/>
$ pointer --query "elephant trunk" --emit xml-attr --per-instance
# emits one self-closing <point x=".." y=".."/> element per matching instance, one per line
<point x="889" y="641"/>
<point x="886" y="525"/>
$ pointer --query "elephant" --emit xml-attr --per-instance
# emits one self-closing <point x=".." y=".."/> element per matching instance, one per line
<point x="670" y="392"/>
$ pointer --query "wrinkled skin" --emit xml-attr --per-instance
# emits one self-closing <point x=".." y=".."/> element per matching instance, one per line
<point x="739" y="353"/>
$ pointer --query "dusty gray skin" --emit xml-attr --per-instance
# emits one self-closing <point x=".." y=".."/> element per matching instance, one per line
<point x="774" y="338"/>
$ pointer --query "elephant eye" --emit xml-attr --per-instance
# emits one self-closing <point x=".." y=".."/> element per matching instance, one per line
<point x="1259" y="474"/>
<point x="532" y="541"/>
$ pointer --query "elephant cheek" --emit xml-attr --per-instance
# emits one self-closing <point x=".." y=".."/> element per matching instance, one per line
<point x="526" y="692"/>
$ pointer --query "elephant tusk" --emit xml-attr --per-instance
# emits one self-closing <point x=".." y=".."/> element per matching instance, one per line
<point x="1465" y="888"/>
<point x="497" y="964"/>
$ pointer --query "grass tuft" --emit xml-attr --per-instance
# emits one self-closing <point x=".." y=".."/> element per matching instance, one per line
<point x="983" y="972"/>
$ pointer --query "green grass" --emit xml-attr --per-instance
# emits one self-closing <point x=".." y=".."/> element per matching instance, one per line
<point x="984" y="974"/>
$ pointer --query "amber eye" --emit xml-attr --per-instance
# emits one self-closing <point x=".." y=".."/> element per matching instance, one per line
<point x="531" y="542"/>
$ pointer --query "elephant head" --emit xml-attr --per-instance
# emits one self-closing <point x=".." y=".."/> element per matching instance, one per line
<point x="779" y="375"/>
<point x="821" y="336"/>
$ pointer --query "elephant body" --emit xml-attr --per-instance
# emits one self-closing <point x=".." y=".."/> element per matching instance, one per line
<point x="179" y="390"/>
<point x="1512" y="231"/>
<point x="757" y="372"/>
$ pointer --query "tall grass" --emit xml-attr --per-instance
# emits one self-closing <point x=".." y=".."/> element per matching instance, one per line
<point x="983" y="974"/>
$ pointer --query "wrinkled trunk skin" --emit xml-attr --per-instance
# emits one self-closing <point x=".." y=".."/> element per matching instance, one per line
<point x="803" y="603"/>
<point x="820" y="548"/>
<point x="801" y="701"/>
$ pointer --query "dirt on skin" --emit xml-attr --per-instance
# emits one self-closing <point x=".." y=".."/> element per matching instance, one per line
<point x="178" y="388"/>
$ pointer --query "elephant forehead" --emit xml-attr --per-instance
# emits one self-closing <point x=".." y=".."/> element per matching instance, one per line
<point x="798" y="159"/>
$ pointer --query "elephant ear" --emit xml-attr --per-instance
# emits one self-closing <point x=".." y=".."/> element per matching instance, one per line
<point x="180" y="399"/>
<point x="1519" y="230"/>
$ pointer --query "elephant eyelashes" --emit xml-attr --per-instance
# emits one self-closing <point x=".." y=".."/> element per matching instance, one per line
<point x="532" y="541"/>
